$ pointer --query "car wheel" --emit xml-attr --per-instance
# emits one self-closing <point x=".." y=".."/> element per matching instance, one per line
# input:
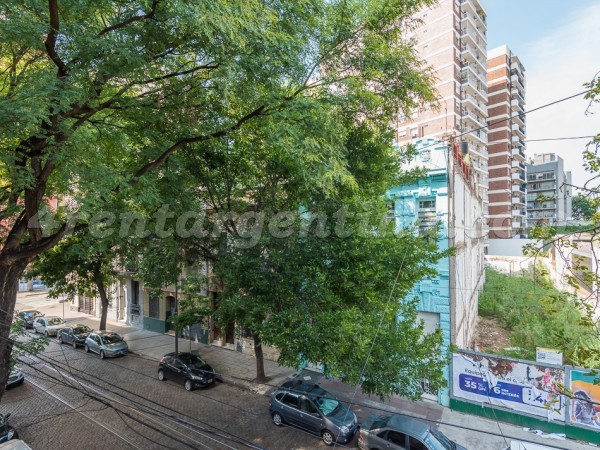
<point x="277" y="419"/>
<point x="60" y="339"/>
<point x="87" y="349"/>
<point x="102" y="355"/>
<point x="188" y="385"/>
<point x="161" y="375"/>
<point x="74" y="345"/>
<point x="328" y="437"/>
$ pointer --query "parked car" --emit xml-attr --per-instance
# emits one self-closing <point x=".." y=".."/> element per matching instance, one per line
<point x="6" y="431"/>
<point x="312" y="408"/>
<point x="186" y="368"/>
<point x="28" y="316"/>
<point x="15" y="378"/>
<point x="74" y="335"/>
<point x="396" y="432"/>
<point x="106" y="343"/>
<point x="48" y="325"/>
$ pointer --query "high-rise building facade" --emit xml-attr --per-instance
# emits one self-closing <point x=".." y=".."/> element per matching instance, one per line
<point x="506" y="144"/>
<point x="549" y="191"/>
<point x="452" y="40"/>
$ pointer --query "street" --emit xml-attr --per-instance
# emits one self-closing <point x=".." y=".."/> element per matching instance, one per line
<point x="74" y="399"/>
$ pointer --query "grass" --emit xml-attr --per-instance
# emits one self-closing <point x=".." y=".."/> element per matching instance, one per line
<point x="535" y="314"/>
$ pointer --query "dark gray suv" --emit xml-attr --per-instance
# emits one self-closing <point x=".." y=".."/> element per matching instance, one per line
<point x="312" y="408"/>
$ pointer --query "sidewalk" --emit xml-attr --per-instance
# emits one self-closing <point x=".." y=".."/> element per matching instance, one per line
<point x="473" y="432"/>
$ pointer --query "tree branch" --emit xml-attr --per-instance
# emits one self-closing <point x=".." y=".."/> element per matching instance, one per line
<point x="165" y="155"/>
<point x="131" y="20"/>
<point x="50" y="42"/>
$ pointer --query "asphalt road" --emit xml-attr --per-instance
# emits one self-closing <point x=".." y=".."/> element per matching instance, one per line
<point x="71" y="399"/>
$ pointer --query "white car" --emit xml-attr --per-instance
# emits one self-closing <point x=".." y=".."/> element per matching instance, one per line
<point x="48" y="325"/>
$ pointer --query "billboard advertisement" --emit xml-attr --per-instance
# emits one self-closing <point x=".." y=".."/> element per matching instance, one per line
<point x="517" y="385"/>
<point x="585" y="405"/>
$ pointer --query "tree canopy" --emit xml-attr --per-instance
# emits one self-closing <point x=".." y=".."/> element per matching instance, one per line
<point x="104" y="103"/>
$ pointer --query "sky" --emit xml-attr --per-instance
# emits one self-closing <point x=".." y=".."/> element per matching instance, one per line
<point x="558" y="42"/>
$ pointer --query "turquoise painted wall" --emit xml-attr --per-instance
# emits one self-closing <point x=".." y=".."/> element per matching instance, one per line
<point x="434" y="294"/>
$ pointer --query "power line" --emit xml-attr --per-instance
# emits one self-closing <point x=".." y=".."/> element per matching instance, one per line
<point x="559" y="139"/>
<point x="508" y="118"/>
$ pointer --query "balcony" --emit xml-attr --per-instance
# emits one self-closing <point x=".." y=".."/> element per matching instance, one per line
<point x="517" y="81"/>
<point x="517" y="105"/>
<point x="514" y="92"/>
<point x="473" y="55"/>
<point x="518" y="212"/>
<point x="468" y="6"/>
<point x="518" y="165"/>
<point x="518" y="131"/>
<point x="519" y="119"/>
<point x="516" y="176"/>
<point x="479" y="121"/>
<point x="518" y="188"/>
<point x="518" y="201"/>
<point x="517" y="225"/>
<point x="473" y="102"/>
<point x="548" y="187"/>
<point x="469" y="67"/>
<point x="469" y="36"/>
<point x="518" y="153"/>
<point x="473" y="86"/>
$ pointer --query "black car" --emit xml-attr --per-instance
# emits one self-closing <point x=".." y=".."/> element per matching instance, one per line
<point x="186" y="368"/>
<point x="6" y="431"/>
<point x="74" y="335"/>
<point x="28" y="316"/>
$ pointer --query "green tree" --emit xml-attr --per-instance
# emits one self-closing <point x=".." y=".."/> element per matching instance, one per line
<point x="97" y="96"/>
<point x="79" y="265"/>
<point x="580" y="271"/>
<point x="584" y="208"/>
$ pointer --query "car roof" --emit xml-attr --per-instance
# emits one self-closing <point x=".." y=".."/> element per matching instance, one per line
<point x="27" y="310"/>
<point x="51" y="317"/>
<point x="408" y="425"/>
<point x="298" y="385"/>
<point x="104" y="332"/>
<point x="180" y="354"/>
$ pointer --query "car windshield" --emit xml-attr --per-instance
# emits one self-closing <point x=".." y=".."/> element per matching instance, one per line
<point x="83" y="329"/>
<point x="55" y="321"/>
<point x="437" y="440"/>
<point x="192" y="361"/>
<point x="112" y="338"/>
<point x="326" y="405"/>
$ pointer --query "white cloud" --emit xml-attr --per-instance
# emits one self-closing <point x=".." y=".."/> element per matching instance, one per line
<point x="557" y="66"/>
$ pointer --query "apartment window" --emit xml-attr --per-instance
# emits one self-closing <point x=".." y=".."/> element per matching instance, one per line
<point x="414" y="132"/>
<point x="426" y="215"/>
<point x="401" y="133"/>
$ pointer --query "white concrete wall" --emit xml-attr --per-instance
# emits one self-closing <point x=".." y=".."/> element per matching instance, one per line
<point x="468" y="275"/>
<point x="508" y="247"/>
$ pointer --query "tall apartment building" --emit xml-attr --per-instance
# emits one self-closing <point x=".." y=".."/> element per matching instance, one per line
<point x="549" y="191"/>
<point x="506" y="144"/>
<point x="452" y="40"/>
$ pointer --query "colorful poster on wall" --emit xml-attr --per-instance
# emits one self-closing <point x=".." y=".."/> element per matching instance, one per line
<point x="516" y="385"/>
<point x="585" y="406"/>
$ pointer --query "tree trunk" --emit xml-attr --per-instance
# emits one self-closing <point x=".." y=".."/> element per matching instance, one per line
<point x="9" y="286"/>
<point x="103" y="302"/>
<point x="260" y="362"/>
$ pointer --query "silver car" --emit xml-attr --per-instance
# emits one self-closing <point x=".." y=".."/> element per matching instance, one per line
<point x="106" y="343"/>
<point x="396" y="432"/>
<point x="309" y="406"/>
<point x="48" y="325"/>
